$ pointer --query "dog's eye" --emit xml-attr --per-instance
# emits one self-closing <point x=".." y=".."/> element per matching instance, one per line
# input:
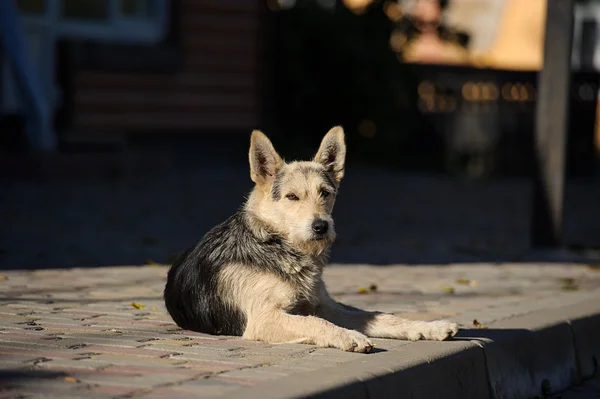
<point x="324" y="193"/>
<point x="292" y="197"/>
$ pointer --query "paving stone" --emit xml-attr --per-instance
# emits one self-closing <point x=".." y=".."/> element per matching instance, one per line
<point x="171" y="393"/>
<point x="60" y="329"/>
<point x="260" y="359"/>
<point x="17" y="358"/>
<point x="111" y="391"/>
<point x="212" y="367"/>
<point x="9" y="365"/>
<point x="78" y="314"/>
<point x="118" y="322"/>
<point x="118" y="350"/>
<point x="11" y="320"/>
<point x="314" y="363"/>
<point x="55" y="387"/>
<point x="133" y="382"/>
<point x="141" y="370"/>
<point x="214" y="356"/>
<point x="291" y="368"/>
<point x="188" y="343"/>
<point x="224" y="345"/>
<point x="286" y="350"/>
<point x="183" y="334"/>
<point x="79" y="363"/>
<point x="13" y="349"/>
<point x="113" y="341"/>
<point x="214" y="385"/>
<point x="39" y="341"/>
<point x="126" y="360"/>
<point x="255" y="373"/>
<point x="46" y="395"/>
<point x="14" y="395"/>
<point x="193" y="350"/>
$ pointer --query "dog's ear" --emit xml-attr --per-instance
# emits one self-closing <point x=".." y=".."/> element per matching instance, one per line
<point x="264" y="160"/>
<point x="332" y="153"/>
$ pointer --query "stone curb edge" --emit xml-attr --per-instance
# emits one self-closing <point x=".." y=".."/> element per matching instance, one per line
<point x="522" y="357"/>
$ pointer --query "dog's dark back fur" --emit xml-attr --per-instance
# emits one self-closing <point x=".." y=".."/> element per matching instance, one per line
<point x="191" y="294"/>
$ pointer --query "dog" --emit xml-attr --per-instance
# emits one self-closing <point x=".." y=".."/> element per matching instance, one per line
<point x="259" y="274"/>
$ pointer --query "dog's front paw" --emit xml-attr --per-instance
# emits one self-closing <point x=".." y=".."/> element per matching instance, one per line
<point x="352" y="341"/>
<point x="439" y="330"/>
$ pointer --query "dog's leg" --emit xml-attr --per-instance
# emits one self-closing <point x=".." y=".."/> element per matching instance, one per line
<point x="383" y="325"/>
<point x="276" y="326"/>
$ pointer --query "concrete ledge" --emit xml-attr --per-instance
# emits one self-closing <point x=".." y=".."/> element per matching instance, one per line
<point x="542" y="351"/>
<point x="452" y="370"/>
<point x="525" y="352"/>
<point x="517" y="357"/>
<point x="585" y="325"/>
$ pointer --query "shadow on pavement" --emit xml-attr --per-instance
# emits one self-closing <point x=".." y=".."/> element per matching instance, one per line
<point x="10" y="378"/>
<point x="382" y="216"/>
<point x="493" y="334"/>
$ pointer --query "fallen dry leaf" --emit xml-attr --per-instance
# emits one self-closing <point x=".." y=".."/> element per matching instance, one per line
<point x="3" y="278"/>
<point x="569" y="284"/>
<point x="70" y="379"/>
<point x="137" y="305"/>
<point x="447" y="288"/>
<point x="466" y="281"/>
<point x="373" y="287"/>
<point x="478" y="324"/>
<point x="362" y="290"/>
<point x="150" y="262"/>
<point x="154" y="308"/>
<point x="567" y="280"/>
<point x="570" y="287"/>
<point x="595" y="268"/>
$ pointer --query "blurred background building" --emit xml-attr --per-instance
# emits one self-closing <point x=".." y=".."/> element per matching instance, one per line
<point x="438" y="78"/>
<point x="120" y="66"/>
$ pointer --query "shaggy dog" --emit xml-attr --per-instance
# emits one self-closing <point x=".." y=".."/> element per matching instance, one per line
<point x="259" y="274"/>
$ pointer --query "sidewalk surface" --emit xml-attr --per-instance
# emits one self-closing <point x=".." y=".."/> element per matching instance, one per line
<point x="104" y="333"/>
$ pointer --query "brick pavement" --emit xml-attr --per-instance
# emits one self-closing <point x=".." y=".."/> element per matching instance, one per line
<point x="104" y="333"/>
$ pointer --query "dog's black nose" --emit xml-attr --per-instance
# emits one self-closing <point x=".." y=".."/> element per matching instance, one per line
<point x="320" y="226"/>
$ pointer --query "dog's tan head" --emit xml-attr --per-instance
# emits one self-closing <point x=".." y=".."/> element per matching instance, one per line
<point x="296" y="199"/>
